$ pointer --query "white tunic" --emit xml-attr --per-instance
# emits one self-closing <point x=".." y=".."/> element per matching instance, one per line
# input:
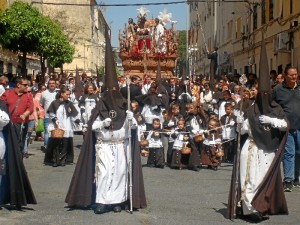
<point x="111" y="167"/>
<point x="65" y="123"/>
<point x="254" y="164"/>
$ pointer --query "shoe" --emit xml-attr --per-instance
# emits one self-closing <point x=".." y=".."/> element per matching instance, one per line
<point x="26" y="155"/>
<point x="43" y="148"/>
<point x="54" y="164"/>
<point x="296" y="184"/>
<point x="150" y="165"/>
<point x="100" y="209"/>
<point x="287" y="186"/>
<point x="117" y="209"/>
<point x="195" y="168"/>
<point x="257" y="216"/>
<point x="18" y="207"/>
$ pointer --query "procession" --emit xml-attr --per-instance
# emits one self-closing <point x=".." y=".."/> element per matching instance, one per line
<point x="216" y="147"/>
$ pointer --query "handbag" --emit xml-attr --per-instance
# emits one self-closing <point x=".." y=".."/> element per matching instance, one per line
<point x="40" y="126"/>
<point x="2" y="167"/>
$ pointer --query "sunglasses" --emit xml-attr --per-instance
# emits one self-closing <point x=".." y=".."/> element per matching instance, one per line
<point x="24" y="85"/>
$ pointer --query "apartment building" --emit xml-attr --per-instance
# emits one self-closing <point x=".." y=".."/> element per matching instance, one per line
<point x="236" y="29"/>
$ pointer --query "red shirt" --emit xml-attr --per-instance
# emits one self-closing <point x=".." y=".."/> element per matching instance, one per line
<point x="25" y="104"/>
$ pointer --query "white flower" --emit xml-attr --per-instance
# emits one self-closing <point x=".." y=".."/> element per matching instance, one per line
<point x="164" y="16"/>
<point x="142" y="12"/>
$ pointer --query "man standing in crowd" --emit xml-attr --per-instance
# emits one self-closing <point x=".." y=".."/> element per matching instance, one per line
<point x="146" y="86"/>
<point x="213" y="56"/>
<point x="20" y="106"/>
<point x="47" y="97"/>
<point x="4" y="82"/>
<point x="287" y="94"/>
<point x="135" y="89"/>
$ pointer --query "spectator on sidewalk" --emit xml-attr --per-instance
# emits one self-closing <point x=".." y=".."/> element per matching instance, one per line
<point x="287" y="95"/>
<point x="20" y="106"/>
<point x="47" y="98"/>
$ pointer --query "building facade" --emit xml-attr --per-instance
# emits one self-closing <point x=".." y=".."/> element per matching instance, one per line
<point x="82" y="21"/>
<point x="236" y="29"/>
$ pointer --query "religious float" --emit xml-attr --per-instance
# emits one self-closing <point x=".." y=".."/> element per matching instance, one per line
<point x="144" y="43"/>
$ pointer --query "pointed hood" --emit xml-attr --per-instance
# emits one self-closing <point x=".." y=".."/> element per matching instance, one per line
<point x="264" y="77"/>
<point x="160" y="87"/>
<point x="183" y="78"/>
<point x="158" y="74"/>
<point x="264" y="96"/>
<point x="112" y="104"/>
<point x="78" y="88"/>
<point x="264" y="135"/>
<point x="110" y="79"/>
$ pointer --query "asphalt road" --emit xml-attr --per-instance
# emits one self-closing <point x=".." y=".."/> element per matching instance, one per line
<point x="173" y="196"/>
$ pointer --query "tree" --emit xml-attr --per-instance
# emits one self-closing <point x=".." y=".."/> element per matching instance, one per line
<point x="20" y="29"/>
<point x="24" y="29"/>
<point x="182" y="48"/>
<point x="55" y="46"/>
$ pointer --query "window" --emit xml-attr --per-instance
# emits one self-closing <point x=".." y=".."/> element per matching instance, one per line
<point x="229" y="29"/>
<point x="263" y="12"/>
<point x="254" y="17"/>
<point x="238" y="28"/>
<point x="271" y="9"/>
<point x="291" y="6"/>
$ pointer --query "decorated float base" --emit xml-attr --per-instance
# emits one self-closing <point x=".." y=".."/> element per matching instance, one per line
<point x="147" y="65"/>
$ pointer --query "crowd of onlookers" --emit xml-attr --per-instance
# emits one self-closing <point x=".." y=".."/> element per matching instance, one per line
<point x="181" y="123"/>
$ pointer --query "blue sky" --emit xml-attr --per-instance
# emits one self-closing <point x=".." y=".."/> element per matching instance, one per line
<point x="118" y="16"/>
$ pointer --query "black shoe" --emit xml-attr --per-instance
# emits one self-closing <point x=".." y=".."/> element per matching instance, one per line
<point x="195" y="168"/>
<point x="43" y="148"/>
<point x="100" y="209"/>
<point x="160" y="166"/>
<point x="296" y="183"/>
<point x="257" y="217"/>
<point x="25" y="155"/>
<point x="287" y="186"/>
<point x="150" y="165"/>
<point x="54" y="164"/>
<point x="117" y="209"/>
<point x="215" y="168"/>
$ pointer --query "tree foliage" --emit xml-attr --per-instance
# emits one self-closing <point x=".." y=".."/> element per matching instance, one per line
<point x="20" y="26"/>
<point x="55" y="46"/>
<point x="24" y="29"/>
<point x="182" y="48"/>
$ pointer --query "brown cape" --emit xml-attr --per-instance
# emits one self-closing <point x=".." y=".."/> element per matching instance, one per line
<point x="270" y="198"/>
<point x="81" y="192"/>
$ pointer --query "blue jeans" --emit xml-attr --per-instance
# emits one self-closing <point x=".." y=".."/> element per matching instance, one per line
<point x="291" y="156"/>
<point x="46" y="133"/>
<point x="30" y="127"/>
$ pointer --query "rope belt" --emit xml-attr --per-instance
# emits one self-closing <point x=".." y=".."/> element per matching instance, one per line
<point x="100" y="141"/>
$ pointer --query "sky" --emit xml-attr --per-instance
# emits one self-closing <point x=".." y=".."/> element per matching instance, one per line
<point x="116" y="17"/>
